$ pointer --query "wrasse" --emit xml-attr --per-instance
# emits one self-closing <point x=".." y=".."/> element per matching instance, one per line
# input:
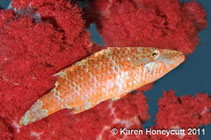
<point x="108" y="74"/>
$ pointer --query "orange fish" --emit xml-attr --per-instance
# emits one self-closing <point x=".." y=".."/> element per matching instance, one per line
<point x="108" y="74"/>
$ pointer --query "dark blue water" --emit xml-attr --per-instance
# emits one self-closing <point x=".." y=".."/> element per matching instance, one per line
<point x="192" y="77"/>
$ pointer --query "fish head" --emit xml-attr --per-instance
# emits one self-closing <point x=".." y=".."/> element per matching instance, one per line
<point x="160" y="62"/>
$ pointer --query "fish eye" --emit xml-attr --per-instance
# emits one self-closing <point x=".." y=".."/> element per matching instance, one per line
<point x="156" y="54"/>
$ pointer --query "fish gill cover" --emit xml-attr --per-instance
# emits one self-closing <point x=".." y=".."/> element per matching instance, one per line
<point x="32" y="50"/>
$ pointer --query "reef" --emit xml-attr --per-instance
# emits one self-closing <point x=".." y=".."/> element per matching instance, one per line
<point x="39" y="38"/>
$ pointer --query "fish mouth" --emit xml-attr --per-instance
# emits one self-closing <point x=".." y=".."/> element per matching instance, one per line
<point x="172" y="54"/>
<point x="178" y="57"/>
<point x="172" y="58"/>
<point x="169" y="52"/>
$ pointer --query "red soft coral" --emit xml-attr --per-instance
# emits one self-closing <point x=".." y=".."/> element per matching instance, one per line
<point x="60" y="13"/>
<point x="182" y="113"/>
<point x="23" y="4"/>
<point x="91" y="124"/>
<point x="185" y="111"/>
<point x="6" y="15"/>
<point x="31" y="52"/>
<point x="162" y="24"/>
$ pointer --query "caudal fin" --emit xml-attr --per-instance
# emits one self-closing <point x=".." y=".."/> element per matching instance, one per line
<point x="43" y="107"/>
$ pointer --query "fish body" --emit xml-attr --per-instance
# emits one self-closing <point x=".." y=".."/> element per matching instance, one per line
<point x="108" y="74"/>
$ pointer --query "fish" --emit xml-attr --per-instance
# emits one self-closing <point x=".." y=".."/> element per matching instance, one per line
<point x="106" y="75"/>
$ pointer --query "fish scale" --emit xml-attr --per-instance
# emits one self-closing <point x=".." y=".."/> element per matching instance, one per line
<point x="108" y="74"/>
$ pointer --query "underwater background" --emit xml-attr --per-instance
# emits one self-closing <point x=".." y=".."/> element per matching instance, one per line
<point x="192" y="77"/>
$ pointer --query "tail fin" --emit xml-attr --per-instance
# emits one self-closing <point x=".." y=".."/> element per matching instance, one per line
<point x="43" y="107"/>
